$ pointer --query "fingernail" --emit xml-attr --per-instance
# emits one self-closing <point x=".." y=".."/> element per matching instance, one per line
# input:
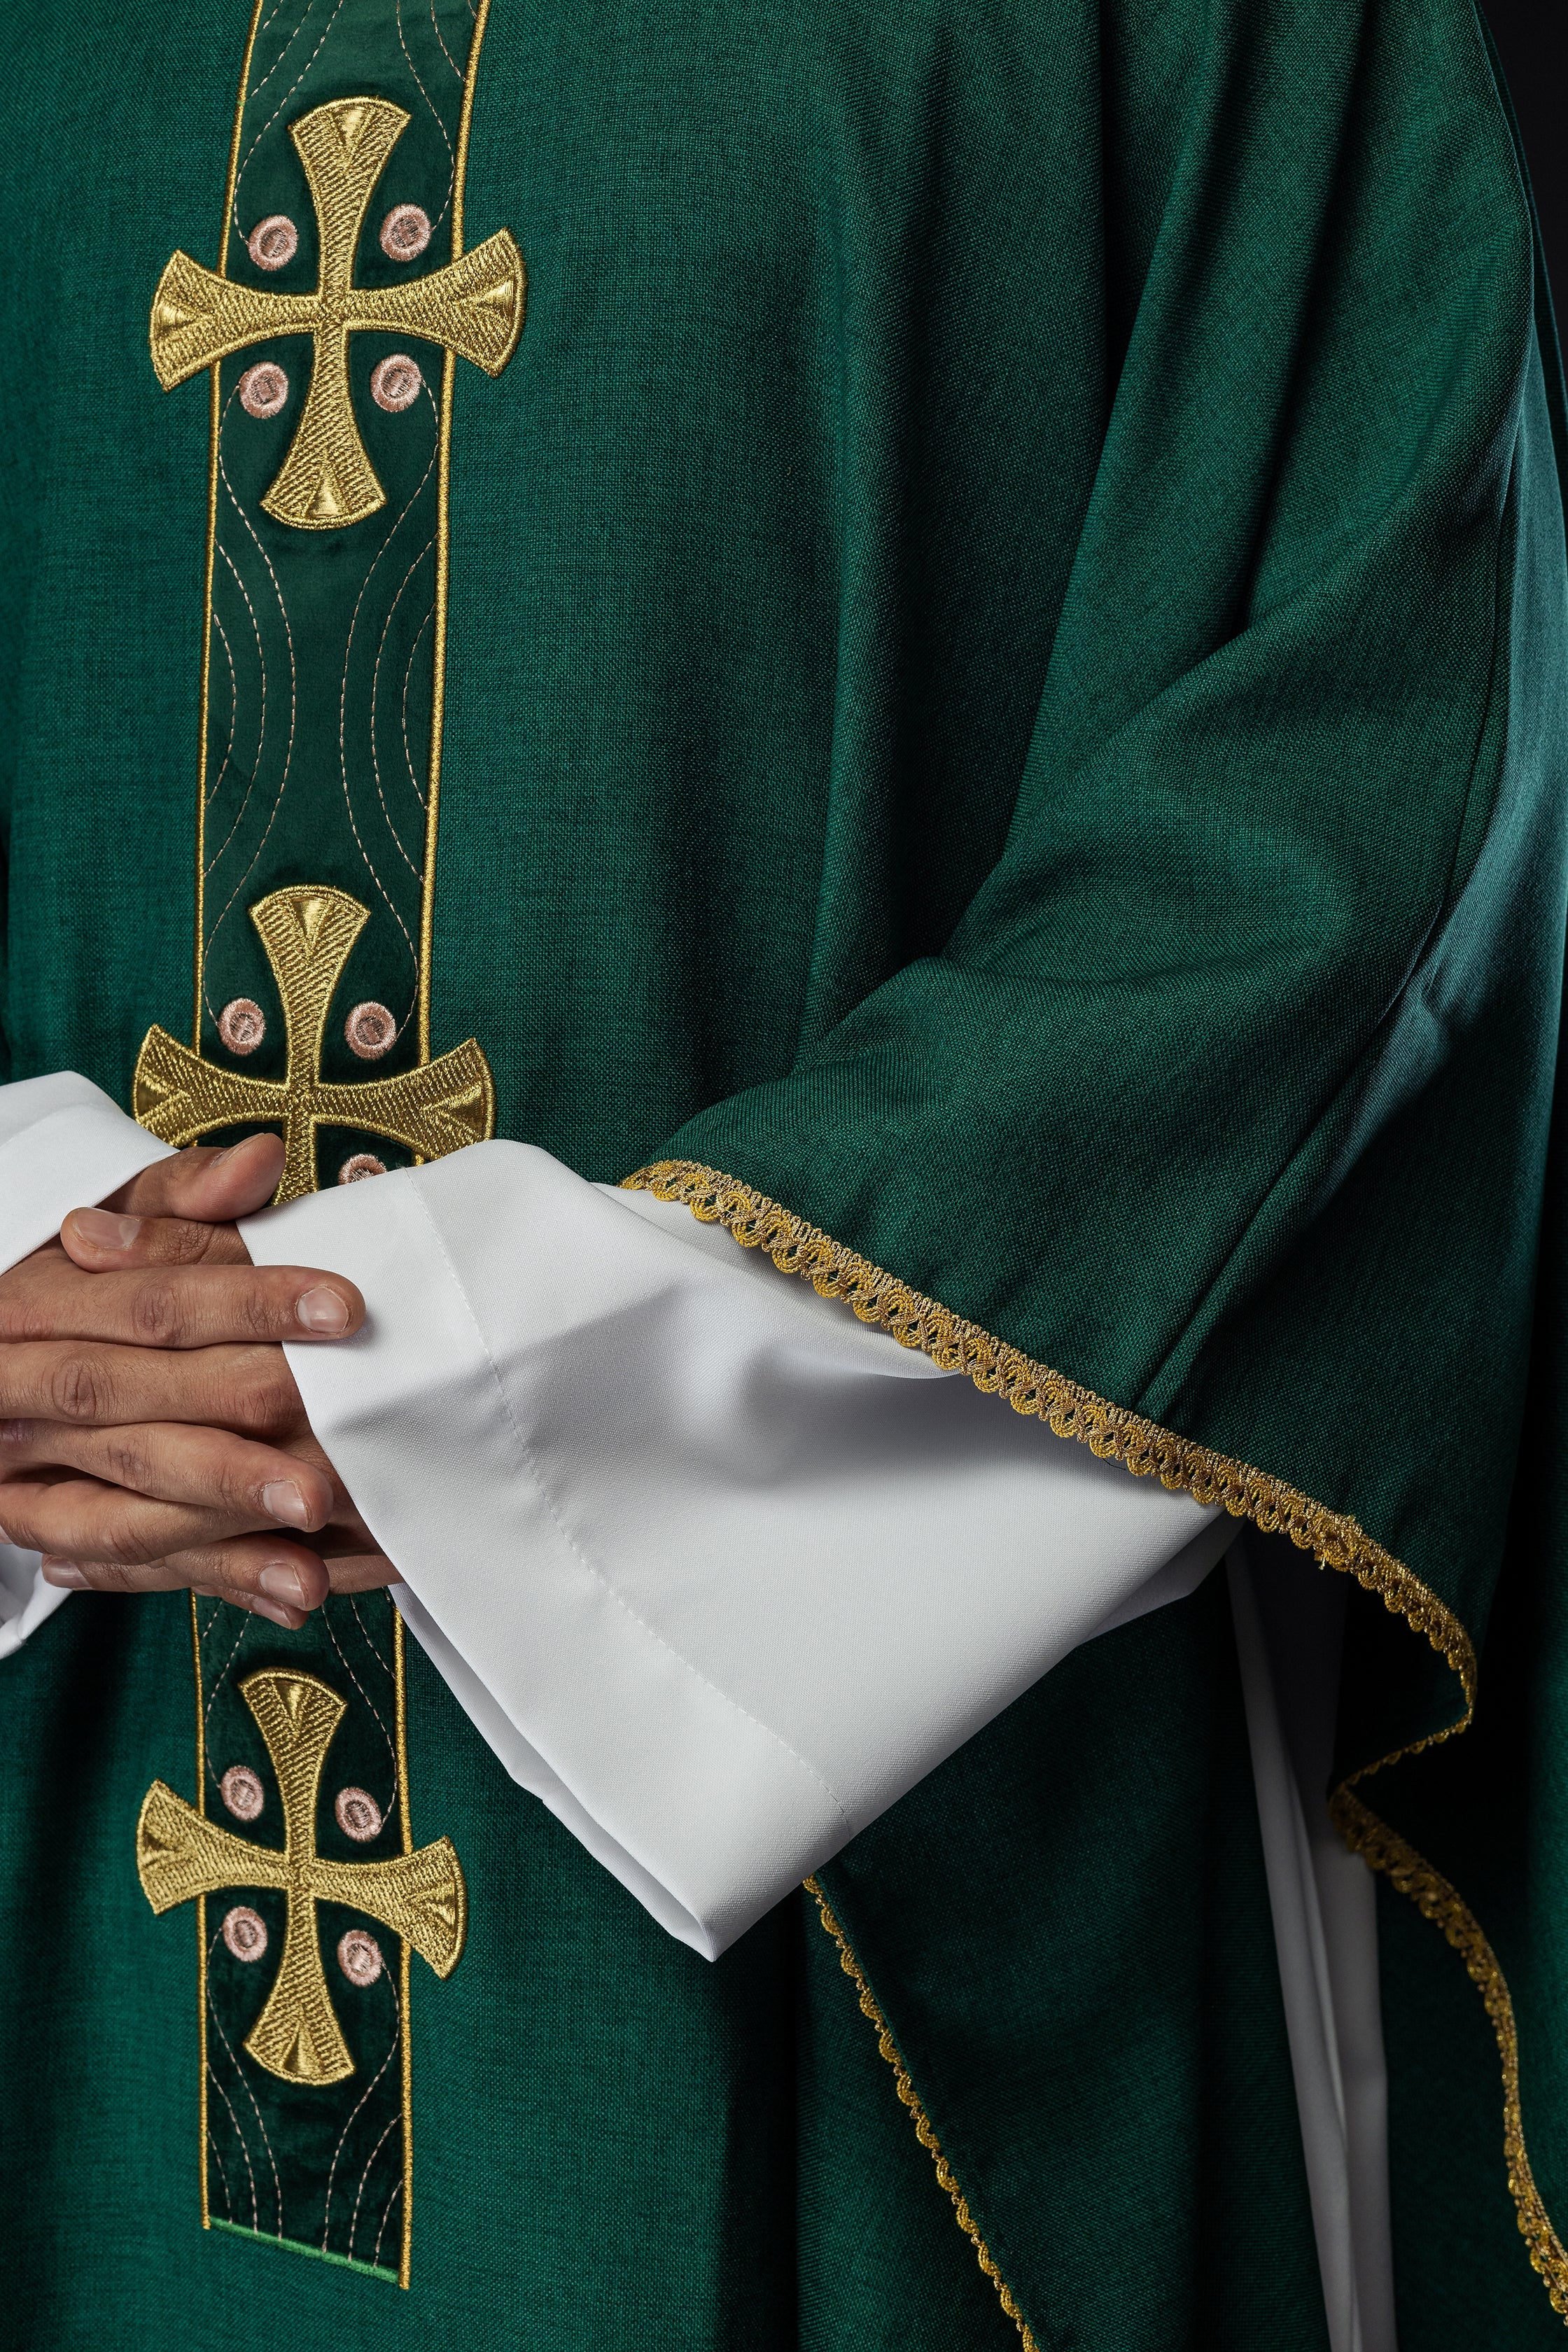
<point x="271" y="1609"/>
<point x="281" y="1499"/>
<point x="283" y="1583"/>
<point x="64" y="1571"/>
<point x="105" y="1230"/>
<point x="322" y="1310"/>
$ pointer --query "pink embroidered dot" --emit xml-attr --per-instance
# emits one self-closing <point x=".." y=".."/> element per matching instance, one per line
<point x="243" y="1792"/>
<point x="245" y="1932"/>
<point x="273" y="243"/>
<point x="405" y="232"/>
<point x="242" y="1025"/>
<point x="359" y="1956"/>
<point x="359" y="1815"/>
<point x="370" y="1030"/>
<point x="263" y="389"/>
<point x="396" y="383"/>
<point x="363" y="1164"/>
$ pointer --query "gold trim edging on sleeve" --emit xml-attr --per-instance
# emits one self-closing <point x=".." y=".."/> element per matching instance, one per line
<point x="1334" y="1540"/>
<point x="923" y="2132"/>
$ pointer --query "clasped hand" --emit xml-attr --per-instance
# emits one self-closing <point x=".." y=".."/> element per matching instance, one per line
<point x="151" y="1434"/>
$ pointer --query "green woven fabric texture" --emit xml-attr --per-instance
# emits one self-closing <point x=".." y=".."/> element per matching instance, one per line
<point x="1005" y="686"/>
<point x="1102" y="1956"/>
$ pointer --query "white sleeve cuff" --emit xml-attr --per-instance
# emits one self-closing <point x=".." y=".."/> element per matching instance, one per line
<point x="25" y="1598"/>
<point x="63" y="1145"/>
<point x="719" y="1571"/>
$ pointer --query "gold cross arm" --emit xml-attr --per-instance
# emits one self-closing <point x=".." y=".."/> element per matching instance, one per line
<point x="473" y="307"/>
<point x="308" y="935"/>
<point x="181" y="1855"/>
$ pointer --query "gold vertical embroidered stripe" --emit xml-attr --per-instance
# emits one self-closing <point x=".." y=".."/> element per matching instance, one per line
<point x="325" y="647"/>
<point x="329" y="316"/>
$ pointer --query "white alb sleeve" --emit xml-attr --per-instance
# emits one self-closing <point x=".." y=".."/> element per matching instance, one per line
<point x="718" y="1570"/>
<point x="63" y="1145"/>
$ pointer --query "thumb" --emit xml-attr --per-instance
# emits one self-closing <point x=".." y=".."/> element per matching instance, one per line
<point x="205" y="1186"/>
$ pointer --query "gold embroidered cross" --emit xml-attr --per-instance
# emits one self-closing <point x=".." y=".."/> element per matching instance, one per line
<point x="420" y="1896"/>
<point x="307" y="934"/>
<point x="473" y="307"/>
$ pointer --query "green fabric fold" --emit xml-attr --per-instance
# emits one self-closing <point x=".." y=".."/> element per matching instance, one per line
<point x="1227" y="1094"/>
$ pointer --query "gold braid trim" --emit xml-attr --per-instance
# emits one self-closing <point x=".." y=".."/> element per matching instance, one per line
<point x="1384" y="1849"/>
<point x="923" y="2132"/>
<point x="1334" y="1540"/>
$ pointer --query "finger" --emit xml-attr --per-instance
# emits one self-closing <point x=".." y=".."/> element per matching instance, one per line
<point x="61" y="1511"/>
<point x="173" y="1462"/>
<point x="123" y="1543"/>
<point x="170" y="1576"/>
<point x="360" y="1572"/>
<point x="283" y="1583"/>
<point x="213" y="1186"/>
<point x="250" y="1391"/>
<point x="191" y="1307"/>
<point x="92" y="1576"/>
<point x="100" y="1240"/>
<point x="347" y="1530"/>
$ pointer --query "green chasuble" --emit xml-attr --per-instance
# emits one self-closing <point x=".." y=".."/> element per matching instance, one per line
<point x="940" y="631"/>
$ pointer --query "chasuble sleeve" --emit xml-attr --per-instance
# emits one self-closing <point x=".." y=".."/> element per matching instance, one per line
<point x="1215" y="1132"/>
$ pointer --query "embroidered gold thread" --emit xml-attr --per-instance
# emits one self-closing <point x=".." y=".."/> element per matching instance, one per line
<point x="180" y="1853"/>
<point x="923" y="2132"/>
<point x="1385" y="1849"/>
<point x="443" y="514"/>
<point x="479" y="14"/>
<point x="1143" y="1447"/>
<point x="214" y="429"/>
<point x="406" y="2255"/>
<point x="473" y="307"/>
<point x="308" y="935"/>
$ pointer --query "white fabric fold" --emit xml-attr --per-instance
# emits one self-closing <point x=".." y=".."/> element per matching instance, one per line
<point x="64" y="1144"/>
<point x="25" y="1598"/>
<point x="1289" y="1629"/>
<point x="730" y="1571"/>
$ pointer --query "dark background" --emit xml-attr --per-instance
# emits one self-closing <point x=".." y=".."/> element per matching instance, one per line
<point x="1533" y="40"/>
